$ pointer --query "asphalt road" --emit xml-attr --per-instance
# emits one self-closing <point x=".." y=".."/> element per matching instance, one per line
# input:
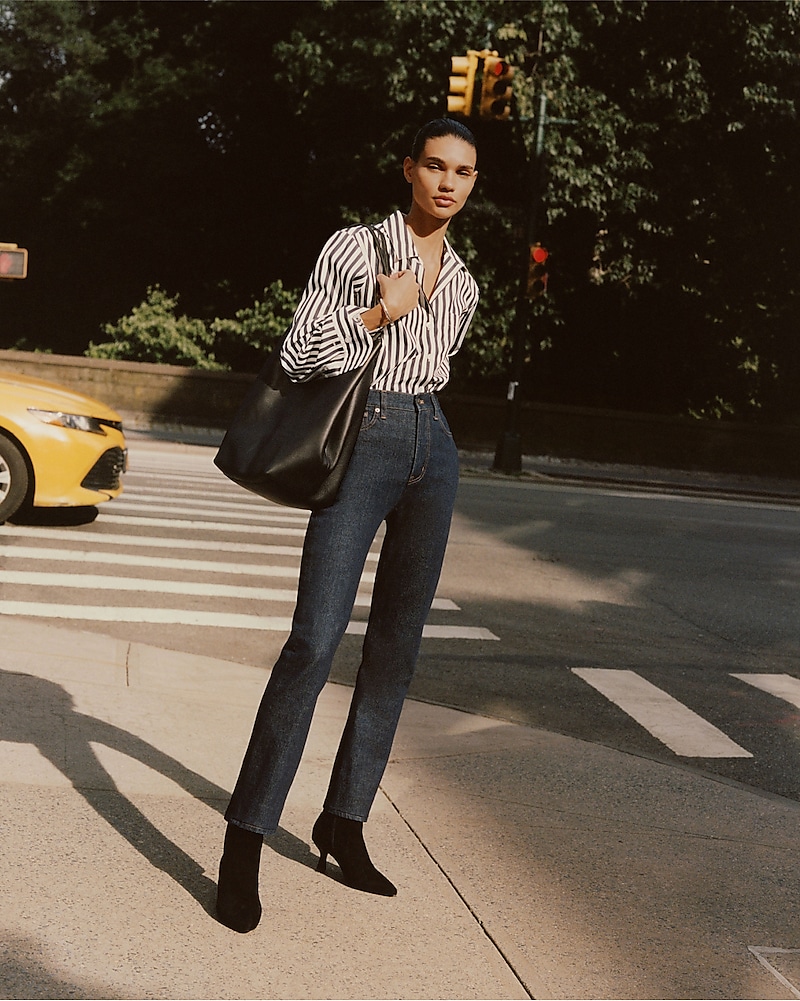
<point x="660" y="624"/>
<point x="682" y="592"/>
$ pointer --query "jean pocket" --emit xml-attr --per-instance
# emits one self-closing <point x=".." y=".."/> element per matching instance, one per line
<point x="441" y="420"/>
<point x="370" y="418"/>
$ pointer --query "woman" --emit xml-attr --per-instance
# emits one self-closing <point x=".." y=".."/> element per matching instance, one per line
<point x="404" y="471"/>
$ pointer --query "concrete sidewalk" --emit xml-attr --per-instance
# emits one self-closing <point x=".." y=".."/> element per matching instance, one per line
<point x="527" y="863"/>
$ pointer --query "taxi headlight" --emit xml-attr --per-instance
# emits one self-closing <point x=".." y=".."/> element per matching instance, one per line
<point x="77" y="422"/>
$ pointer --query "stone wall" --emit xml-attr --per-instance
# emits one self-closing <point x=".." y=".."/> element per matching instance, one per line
<point x="155" y="395"/>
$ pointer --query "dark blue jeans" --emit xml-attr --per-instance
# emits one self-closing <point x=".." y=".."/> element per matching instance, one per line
<point x="404" y="471"/>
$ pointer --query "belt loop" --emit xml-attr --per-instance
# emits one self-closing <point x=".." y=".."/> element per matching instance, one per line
<point x="382" y="404"/>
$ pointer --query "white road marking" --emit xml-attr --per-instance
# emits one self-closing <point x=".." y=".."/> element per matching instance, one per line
<point x="155" y="562"/>
<point x="671" y="722"/>
<point x="438" y="632"/>
<point x="155" y="476"/>
<point x="782" y="686"/>
<point x="153" y="541"/>
<point x="187" y="617"/>
<point x="242" y="512"/>
<point x="199" y="525"/>
<point x="101" y="582"/>
<point x="198" y="483"/>
<point x="761" y="952"/>
<point x="207" y="498"/>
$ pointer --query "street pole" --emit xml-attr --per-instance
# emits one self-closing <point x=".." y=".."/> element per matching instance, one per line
<point x="508" y="455"/>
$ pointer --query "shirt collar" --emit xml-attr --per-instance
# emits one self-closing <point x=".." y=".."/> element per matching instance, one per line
<point x="403" y="252"/>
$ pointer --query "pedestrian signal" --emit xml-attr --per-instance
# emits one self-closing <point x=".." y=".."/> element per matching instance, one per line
<point x="13" y="261"/>
<point x="496" y="88"/>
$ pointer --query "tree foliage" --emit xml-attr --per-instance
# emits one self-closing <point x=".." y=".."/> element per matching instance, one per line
<point x="243" y="342"/>
<point x="153" y="332"/>
<point x="211" y="147"/>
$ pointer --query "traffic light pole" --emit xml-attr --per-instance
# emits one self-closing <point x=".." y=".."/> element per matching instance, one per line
<point x="508" y="455"/>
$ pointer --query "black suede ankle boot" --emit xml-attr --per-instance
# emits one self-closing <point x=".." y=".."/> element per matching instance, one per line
<point x="238" y="905"/>
<point x="343" y="839"/>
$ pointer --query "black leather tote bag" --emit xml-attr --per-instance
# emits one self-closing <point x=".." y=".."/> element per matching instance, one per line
<point x="291" y="442"/>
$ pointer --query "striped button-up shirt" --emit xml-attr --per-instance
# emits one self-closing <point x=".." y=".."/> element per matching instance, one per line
<point x="327" y="336"/>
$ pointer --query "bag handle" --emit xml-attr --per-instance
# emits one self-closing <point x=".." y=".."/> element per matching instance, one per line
<point x="384" y="266"/>
<point x="382" y="252"/>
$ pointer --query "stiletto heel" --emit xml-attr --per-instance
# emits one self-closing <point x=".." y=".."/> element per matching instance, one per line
<point x="238" y="905"/>
<point x="343" y="840"/>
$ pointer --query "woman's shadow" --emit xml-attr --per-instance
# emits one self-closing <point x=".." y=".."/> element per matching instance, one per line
<point x="42" y="713"/>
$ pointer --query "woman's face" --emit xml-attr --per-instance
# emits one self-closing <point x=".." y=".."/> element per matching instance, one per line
<point x="443" y="177"/>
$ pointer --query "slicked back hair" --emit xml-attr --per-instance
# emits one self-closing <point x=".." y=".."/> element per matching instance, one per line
<point x="436" y="129"/>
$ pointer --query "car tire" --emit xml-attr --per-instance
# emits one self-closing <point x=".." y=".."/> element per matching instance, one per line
<point x="14" y="479"/>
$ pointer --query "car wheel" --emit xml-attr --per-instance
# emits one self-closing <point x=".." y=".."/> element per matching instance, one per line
<point x="14" y="478"/>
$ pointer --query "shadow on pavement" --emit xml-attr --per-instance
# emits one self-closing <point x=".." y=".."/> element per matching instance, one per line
<point x="42" y="713"/>
<point x="55" y="517"/>
<point x="64" y="737"/>
<point x="24" y="973"/>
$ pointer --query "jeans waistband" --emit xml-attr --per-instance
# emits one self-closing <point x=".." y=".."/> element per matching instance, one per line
<point x="384" y="400"/>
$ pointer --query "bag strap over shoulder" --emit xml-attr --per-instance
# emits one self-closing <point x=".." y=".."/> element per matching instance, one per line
<point x="384" y="265"/>
<point x="382" y="252"/>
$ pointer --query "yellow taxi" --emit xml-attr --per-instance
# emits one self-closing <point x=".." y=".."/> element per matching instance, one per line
<point x="58" y="448"/>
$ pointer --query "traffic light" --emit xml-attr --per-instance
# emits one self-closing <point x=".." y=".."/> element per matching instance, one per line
<point x="462" y="84"/>
<point x="496" y="88"/>
<point x="537" y="271"/>
<point x="13" y="261"/>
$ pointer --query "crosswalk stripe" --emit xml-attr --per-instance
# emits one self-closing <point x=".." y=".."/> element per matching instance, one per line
<point x="200" y="525"/>
<point x="674" y="724"/>
<point x="176" y="465"/>
<point x="783" y="686"/>
<point x="214" y="501"/>
<point x="181" y="476"/>
<point x="438" y="632"/>
<point x="102" y="582"/>
<point x="154" y="541"/>
<point x="239" y="512"/>
<point x="179" y="498"/>
<point x="198" y="482"/>
<point x="189" y="617"/>
<point x="138" y="468"/>
<point x="154" y="562"/>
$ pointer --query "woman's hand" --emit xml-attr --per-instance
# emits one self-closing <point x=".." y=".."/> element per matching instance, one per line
<point x="400" y="293"/>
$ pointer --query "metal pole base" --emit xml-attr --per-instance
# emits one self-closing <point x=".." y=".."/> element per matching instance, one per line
<point x="508" y="457"/>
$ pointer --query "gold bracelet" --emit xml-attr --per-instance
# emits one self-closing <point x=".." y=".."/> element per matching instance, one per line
<point x="386" y="313"/>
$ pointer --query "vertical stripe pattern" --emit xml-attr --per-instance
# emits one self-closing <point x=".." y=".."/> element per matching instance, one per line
<point x="327" y="337"/>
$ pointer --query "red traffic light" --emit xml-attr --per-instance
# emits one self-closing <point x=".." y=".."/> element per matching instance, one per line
<point x="537" y="271"/>
<point x="496" y="88"/>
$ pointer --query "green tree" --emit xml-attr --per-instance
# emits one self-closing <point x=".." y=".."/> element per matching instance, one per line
<point x="243" y="342"/>
<point x="153" y="332"/>
<point x="212" y="147"/>
<point x="682" y="164"/>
